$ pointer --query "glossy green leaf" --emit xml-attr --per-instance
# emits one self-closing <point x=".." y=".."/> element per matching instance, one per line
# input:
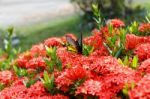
<point x="50" y="65"/>
<point x="134" y="62"/>
<point x="20" y="71"/>
<point x="48" y="82"/>
<point x="126" y="60"/>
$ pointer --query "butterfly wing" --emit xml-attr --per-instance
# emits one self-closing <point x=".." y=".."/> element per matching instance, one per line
<point x="80" y="43"/>
<point x="76" y="45"/>
<point x="73" y="44"/>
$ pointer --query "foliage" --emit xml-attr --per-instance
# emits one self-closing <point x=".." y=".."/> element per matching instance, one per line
<point x="114" y="62"/>
<point x="48" y="82"/>
<point x="55" y="61"/>
<point x="109" y="9"/>
<point x="20" y="71"/>
<point x="8" y="53"/>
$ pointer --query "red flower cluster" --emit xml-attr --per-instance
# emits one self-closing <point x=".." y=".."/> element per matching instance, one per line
<point x="97" y="75"/>
<point x="38" y="50"/>
<point x="90" y="87"/>
<point x="104" y="65"/>
<point x="6" y="77"/>
<point x="23" y="59"/>
<point x="53" y="42"/>
<point x="108" y="79"/>
<point x="116" y="23"/>
<point x="132" y="41"/>
<point x="19" y="91"/>
<point x="68" y="77"/>
<point x="33" y="58"/>
<point x="106" y="87"/>
<point x="143" y="51"/>
<point x="36" y="63"/>
<point x="142" y="89"/>
<point x="97" y="42"/>
<point x="145" y="28"/>
<point x="145" y="66"/>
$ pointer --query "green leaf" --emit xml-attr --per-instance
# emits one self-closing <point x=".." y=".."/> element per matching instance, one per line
<point x="95" y="9"/>
<point x="59" y="64"/>
<point x="110" y="28"/>
<point x="20" y="72"/>
<point x="48" y="82"/>
<point x="118" y="52"/>
<point x="51" y="52"/>
<point x="147" y="17"/>
<point x="55" y="61"/>
<point x="46" y="76"/>
<point x="134" y="28"/>
<point x="123" y="36"/>
<point x="125" y="90"/>
<point x="48" y="50"/>
<point x="87" y="50"/>
<point x="97" y="15"/>
<point x="126" y="60"/>
<point x="29" y="83"/>
<point x="134" y="62"/>
<point x="2" y="86"/>
<point x="50" y="65"/>
<point x="76" y="85"/>
<point x="15" y="69"/>
<point x="113" y="40"/>
<point x="5" y="65"/>
<point x="120" y="61"/>
<point x="10" y="31"/>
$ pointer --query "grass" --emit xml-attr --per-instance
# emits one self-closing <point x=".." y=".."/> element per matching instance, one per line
<point x="37" y="33"/>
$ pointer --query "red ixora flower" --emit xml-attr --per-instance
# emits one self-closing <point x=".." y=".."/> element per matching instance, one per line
<point x="145" y="28"/>
<point x="6" y="77"/>
<point x="142" y="89"/>
<point x="132" y="41"/>
<point x="36" y="91"/>
<point x="69" y="76"/>
<point x="90" y="87"/>
<point x="145" y="66"/>
<point x="15" y="91"/>
<point x="108" y="65"/>
<point x="58" y="96"/>
<point x="38" y="50"/>
<point x="35" y="63"/>
<point x="143" y="51"/>
<point x="104" y="32"/>
<point x="54" y="41"/>
<point x="97" y="42"/>
<point x="105" y="88"/>
<point x="23" y="59"/>
<point x="105" y="65"/>
<point x="116" y="23"/>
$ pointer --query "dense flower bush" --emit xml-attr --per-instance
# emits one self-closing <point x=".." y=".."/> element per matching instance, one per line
<point x="111" y="63"/>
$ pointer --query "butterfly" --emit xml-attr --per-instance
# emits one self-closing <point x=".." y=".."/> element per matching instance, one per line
<point x="75" y="45"/>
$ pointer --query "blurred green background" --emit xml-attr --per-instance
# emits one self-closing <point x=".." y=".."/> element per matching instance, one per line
<point x="79" y="20"/>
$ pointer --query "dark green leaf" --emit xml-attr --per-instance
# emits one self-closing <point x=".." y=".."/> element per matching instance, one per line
<point x="118" y="52"/>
